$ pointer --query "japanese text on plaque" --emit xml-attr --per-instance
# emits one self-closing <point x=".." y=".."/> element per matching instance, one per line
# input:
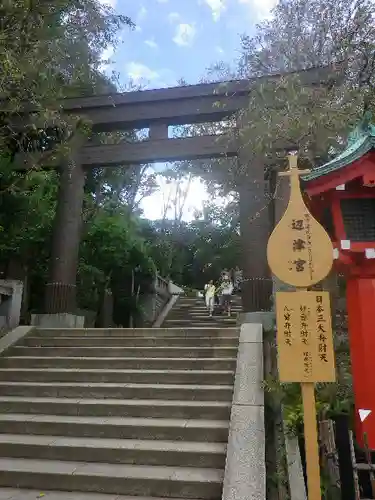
<point x="301" y="246"/>
<point x="304" y="336"/>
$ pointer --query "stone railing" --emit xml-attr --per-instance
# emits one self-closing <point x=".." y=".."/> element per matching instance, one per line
<point x="10" y="303"/>
<point x="154" y="301"/>
<point x="160" y="297"/>
<point x="245" y="471"/>
<point x="174" y="293"/>
<point x="164" y="294"/>
<point x="161" y="285"/>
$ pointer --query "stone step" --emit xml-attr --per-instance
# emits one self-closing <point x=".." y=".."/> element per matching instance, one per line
<point x="139" y="413"/>
<point x="218" y="320"/>
<point x="121" y="391"/>
<point x="201" y="313"/>
<point x="76" y="341"/>
<point x="139" y="332"/>
<point x="180" y="482"/>
<point x="202" y="307"/>
<point x="209" y="363"/>
<point x="136" y="408"/>
<point x="201" y="300"/>
<point x="205" y="320"/>
<point x="19" y="494"/>
<point x="177" y="429"/>
<point x="202" y="318"/>
<point x="114" y="451"/>
<point x="186" y="298"/>
<point x="202" y="321"/>
<point x="154" y="352"/>
<point x="211" y="377"/>
<point x="222" y="324"/>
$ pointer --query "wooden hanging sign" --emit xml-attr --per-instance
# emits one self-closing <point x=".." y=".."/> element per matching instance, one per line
<point x="300" y="253"/>
<point x="304" y="337"/>
<point x="299" y="250"/>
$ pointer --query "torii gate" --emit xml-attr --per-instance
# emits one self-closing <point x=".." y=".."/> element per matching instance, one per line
<point x="157" y="110"/>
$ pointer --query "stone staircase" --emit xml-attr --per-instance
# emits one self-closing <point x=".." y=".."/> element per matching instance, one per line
<point x="191" y="312"/>
<point x="125" y="414"/>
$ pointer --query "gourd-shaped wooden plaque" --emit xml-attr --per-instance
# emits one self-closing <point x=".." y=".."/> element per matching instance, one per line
<point x="299" y="250"/>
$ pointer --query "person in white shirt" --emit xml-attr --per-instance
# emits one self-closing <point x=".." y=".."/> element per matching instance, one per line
<point x="210" y="296"/>
<point x="226" y="290"/>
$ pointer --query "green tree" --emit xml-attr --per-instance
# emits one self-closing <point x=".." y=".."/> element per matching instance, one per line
<point x="50" y="50"/>
<point x="198" y="250"/>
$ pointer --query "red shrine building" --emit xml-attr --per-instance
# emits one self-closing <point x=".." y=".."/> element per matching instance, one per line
<point x="341" y="195"/>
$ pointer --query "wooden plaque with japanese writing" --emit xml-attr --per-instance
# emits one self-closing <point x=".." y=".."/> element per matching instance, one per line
<point x="299" y="250"/>
<point x="304" y="337"/>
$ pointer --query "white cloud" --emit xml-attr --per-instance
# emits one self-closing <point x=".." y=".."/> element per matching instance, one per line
<point x="152" y="44"/>
<point x="141" y="13"/>
<point x="107" y="53"/>
<point x="109" y="3"/>
<point x="261" y="8"/>
<point x="138" y="72"/>
<point x="173" y="17"/>
<point x="217" y="7"/>
<point x="106" y="59"/>
<point x="219" y="50"/>
<point x="185" y="34"/>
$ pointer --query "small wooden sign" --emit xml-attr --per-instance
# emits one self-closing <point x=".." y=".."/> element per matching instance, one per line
<point x="304" y="337"/>
<point x="299" y="250"/>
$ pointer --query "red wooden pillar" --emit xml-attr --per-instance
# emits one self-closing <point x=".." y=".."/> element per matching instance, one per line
<point x="342" y="193"/>
<point x="361" y="320"/>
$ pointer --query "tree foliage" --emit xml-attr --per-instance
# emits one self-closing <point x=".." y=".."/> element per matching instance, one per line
<point x="50" y="50"/>
<point x="58" y="52"/>
<point x="302" y="35"/>
<point x="300" y="39"/>
<point x="195" y="252"/>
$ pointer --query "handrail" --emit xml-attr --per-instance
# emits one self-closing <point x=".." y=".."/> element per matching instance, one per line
<point x="162" y="282"/>
<point x="6" y="287"/>
<point x="161" y="285"/>
<point x="10" y="308"/>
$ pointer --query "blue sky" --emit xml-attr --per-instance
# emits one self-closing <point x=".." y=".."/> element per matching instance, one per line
<point x="177" y="39"/>
<point x="180" y="38"/>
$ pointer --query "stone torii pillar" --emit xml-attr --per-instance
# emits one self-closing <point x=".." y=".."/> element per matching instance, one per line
<point x="60" y="304"/>
<point x="254" y="230"/>
<point x="60" y="295"/>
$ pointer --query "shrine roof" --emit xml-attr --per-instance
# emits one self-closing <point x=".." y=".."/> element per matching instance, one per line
<point x="360" y="141"/>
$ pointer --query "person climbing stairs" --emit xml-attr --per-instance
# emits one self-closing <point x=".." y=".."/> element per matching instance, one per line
<point x="191" y="312"/>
